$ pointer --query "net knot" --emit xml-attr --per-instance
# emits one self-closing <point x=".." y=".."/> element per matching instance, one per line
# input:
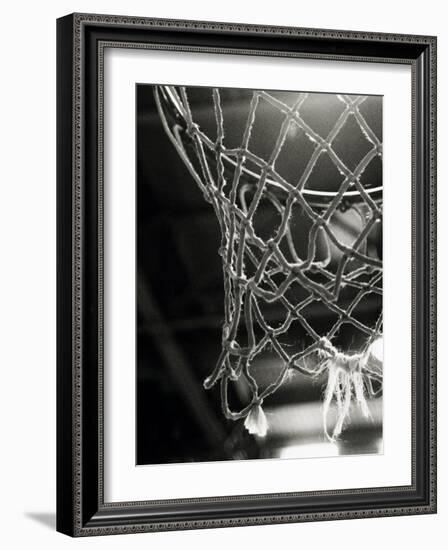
<point x="271" y="245"/>
<point x="256" y="422"/>
<point x="192" y="128"/>
<point x="326" y="347"/>
<point x="231" y="346"/>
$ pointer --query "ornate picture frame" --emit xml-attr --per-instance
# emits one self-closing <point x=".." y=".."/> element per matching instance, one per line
<point x="82" y="509"/>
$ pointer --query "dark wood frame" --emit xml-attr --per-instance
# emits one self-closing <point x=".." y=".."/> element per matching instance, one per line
<point x="81" y="39"/>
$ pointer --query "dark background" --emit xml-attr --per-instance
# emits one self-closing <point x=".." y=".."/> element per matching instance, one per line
<point x="180" y="307"/>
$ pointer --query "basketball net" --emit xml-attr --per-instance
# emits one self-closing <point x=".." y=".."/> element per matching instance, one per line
<point x="260" y="273"/>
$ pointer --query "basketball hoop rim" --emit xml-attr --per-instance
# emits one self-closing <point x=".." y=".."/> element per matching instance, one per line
<point x="315" y="197"/>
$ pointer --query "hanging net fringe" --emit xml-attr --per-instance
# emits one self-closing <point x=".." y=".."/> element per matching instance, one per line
<point x="259" y="272"/>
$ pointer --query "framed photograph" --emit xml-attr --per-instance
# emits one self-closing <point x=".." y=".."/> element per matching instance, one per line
<point x="246" y="274"/>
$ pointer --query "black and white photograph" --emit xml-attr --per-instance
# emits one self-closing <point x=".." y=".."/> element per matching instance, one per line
<point x="259" y="274"/>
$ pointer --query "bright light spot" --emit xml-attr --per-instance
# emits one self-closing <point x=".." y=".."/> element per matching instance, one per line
<point x="376" y="349"/>
<point x="312" y="450"/>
